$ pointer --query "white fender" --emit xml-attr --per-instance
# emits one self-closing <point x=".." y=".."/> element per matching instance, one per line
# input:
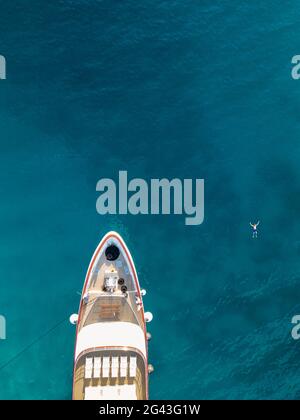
<point x="73" y="319"/>
<point x="148" y="316"/>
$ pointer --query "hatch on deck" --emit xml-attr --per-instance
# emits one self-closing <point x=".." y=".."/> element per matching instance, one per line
<point x="112" y="252"/>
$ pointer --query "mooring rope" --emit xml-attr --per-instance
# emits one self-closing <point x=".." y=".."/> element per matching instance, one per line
<point x="16" y="356"/>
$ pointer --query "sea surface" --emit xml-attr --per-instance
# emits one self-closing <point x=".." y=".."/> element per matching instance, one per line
<point x="168" y="88"/>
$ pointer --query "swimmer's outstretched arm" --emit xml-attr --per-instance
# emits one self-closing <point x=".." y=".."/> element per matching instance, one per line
<point x="258" y="223"/>
<point x="251" y="224"/>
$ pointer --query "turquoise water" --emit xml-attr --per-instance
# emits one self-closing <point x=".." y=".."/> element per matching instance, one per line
<point x="160" y="89"/>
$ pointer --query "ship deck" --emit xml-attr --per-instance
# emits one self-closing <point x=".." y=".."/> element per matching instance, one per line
<point x="82" y="382"/>
<point x="98" y="306"/>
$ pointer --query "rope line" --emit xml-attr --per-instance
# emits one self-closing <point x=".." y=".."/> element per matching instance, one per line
<point x="16" y="356"/>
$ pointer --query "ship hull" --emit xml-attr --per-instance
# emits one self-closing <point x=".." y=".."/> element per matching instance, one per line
<point x="111" y="352"/>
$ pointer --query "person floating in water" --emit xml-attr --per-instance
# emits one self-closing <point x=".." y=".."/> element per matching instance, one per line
<point x="254" y="227"/>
